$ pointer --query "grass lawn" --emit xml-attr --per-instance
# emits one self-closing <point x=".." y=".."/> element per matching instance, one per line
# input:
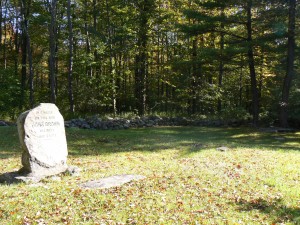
<point x="257" y="181"/>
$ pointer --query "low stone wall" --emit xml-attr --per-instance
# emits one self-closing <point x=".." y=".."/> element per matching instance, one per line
<point x="3" y="123"/>
<point x="108" y="123"/>
<point x="151" y="121"/>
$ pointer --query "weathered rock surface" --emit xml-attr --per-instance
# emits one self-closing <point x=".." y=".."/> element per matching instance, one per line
<point x="3" y="123"/>
<point x="223" y="149"/>
<point x="42" y="136"/>
<point x="113" y="181"/>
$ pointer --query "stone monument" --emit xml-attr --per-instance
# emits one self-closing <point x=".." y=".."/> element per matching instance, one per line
<point x="42" y="136"/>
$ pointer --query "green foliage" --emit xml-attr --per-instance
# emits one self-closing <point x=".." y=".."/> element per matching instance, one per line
<point x="231" y="114"/>
<point x="10" y="93"/>
<point x="189" y="47"/>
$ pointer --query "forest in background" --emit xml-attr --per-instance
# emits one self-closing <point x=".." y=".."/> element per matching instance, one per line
<point x="196" y="58"/>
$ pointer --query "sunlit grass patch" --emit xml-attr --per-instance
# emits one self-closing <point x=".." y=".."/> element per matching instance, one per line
<point x="187" y="180"/>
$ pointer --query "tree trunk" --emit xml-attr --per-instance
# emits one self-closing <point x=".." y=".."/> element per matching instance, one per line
<point x="221" y="65"/>
<point x="195" y="79"/>
<point x="17" y="48"/>
<point x="5" y="36"/>
<point x="158" y="64"/>
<point x="1" y="24"/>
<point x="52" y="46"/>
<point x="70" y="61"/>
<point x="23" y="62"/>
<point x="220" y="80"/>
<point x="118" y="87"/>
<point x="111" y="71"/>
<point x="25" y="9"/>
<point x="254" y="91"/>
<point x="141" y="59"/>
<point x="26" y="55"/>
<point x="57" y="36"/>
<point x="240" y="102"/>
<point x="290" y="65"/>
<point x="89" y="71"/>
<point x="31" y="74"/>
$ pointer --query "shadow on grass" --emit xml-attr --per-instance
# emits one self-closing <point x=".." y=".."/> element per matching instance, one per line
<point x="143" y="139"/>
<point x="10" y="178"/>
<point x="9" y="142"/>
<point x="274" y="209"/>
<point x="185" y="139"/>
<point x="6" y="155"/>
